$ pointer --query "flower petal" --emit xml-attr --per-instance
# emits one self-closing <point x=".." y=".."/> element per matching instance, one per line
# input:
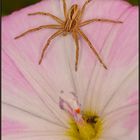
<point x="121" y="123"/>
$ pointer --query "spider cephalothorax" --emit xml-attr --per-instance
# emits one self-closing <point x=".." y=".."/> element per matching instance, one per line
<point x="72" y="19"/>
<point x="71" y="24"/>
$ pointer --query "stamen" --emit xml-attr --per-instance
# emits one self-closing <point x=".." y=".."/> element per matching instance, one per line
<point x="69" y="103"/>
<point x="83" y="125"/>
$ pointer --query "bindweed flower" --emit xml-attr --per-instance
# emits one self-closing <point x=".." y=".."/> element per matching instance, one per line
<point x="52" y="101"/>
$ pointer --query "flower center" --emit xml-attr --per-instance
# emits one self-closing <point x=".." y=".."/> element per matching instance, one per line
<point x="84" y="125"/>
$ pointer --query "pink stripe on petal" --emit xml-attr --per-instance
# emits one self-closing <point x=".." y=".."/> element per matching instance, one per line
<point x="124" y="48"/>
<point x="132" y="120"/>
<point x="133" y="98"/>
<point x="12" y="127"/>
<point x="13" y="75"/>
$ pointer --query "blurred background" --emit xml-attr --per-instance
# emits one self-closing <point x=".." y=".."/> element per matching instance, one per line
<point x="8" y="6"/>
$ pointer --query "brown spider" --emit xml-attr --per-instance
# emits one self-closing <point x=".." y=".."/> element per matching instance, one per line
<point x="72" y="25"/>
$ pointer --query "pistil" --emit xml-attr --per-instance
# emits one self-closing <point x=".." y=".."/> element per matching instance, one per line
<point x="83" y="125"/>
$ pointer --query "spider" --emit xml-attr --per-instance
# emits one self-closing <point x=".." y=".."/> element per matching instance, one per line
<point x="71" y="24"/>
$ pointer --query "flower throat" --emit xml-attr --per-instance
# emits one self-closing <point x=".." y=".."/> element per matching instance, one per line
<point x="84" y="125"/>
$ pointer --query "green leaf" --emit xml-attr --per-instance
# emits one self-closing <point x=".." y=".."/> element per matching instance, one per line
<point x="134" y="2"/>
<point x="8" y="6"/>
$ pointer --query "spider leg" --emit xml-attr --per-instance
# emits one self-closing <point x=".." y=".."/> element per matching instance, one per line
<point x="47" y="14"/>
<point x="65" y="8"/>
<point x="74" y="34"/>
<point x="92" y="48"/>
<point x="48" y="42"/>
<point x="99" y="20"/>
<point x="39" y="28"/>
<point x="84" y="6"/>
